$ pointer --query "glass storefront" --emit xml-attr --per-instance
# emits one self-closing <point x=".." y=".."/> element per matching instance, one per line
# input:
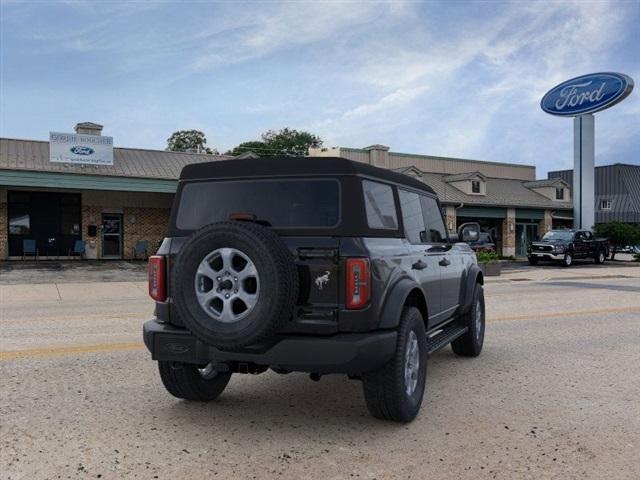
<point x="52" y="219"/>
<point x="525" y="233"/>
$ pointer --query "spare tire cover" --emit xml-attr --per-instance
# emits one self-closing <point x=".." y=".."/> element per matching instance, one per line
<point x="234" y="284"/>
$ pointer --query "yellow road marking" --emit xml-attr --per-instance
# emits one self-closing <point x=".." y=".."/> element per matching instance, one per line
<point x="44" y="352"/>
<point x="60" y="351"/>
<point x="564" y="314"/>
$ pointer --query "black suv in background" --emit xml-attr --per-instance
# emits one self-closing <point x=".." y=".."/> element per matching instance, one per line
<point x="319" y="265"/>
<point x="566" y="245"/>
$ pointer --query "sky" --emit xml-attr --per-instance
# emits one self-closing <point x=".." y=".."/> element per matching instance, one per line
<point x="450" y="78"/>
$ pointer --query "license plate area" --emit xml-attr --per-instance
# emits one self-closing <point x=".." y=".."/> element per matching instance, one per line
<point x="179" y="348"/>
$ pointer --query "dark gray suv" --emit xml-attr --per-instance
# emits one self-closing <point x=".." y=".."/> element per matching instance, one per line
<point x="319" y="265"/>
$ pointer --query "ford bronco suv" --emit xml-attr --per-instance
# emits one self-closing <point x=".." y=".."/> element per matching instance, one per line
<point x="318" y="265"/>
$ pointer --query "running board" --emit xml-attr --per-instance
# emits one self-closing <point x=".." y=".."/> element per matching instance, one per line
<point x="444" y="337"/>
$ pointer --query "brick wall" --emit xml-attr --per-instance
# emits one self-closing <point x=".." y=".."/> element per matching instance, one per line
<point x="4" y="219"/>
<point x="91" y="215"/>
<point x="148" y="224"/>
<point x="509" y="233"/>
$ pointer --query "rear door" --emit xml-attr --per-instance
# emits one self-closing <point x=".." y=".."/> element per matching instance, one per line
<point x="424" y="265"/>
<point x="440" y="251"/>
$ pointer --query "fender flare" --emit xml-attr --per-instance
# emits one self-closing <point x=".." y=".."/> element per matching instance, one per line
<point x="392" y="308"/>
<point x="473" y="276"/>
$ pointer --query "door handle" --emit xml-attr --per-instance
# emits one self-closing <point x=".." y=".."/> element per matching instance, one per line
<point x="444" y="262"/>
<point x="419" y="265"/>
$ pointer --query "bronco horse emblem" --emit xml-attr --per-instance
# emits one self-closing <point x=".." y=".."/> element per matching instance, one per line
<point x="322" y="280"/>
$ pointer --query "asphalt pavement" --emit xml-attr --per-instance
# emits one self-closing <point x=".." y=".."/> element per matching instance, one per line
<point x="553" y="395"/>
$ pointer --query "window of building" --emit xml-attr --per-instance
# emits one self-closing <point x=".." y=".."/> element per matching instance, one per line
<point x="19" y="213"/>
<point x="412" y="217"/>
<point x="605" y="204"/>
<point x="435" y="230"/>
<point x="380" y="206"/>
<point x="560" y="193"/>
<point x="475" y="186"/>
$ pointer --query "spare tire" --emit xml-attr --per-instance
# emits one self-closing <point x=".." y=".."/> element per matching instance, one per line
<point x="235" y="283"/>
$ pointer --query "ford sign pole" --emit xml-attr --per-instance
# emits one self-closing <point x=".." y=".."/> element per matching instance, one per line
<point x="583" y="171"/>
<point x="580" y="97"/>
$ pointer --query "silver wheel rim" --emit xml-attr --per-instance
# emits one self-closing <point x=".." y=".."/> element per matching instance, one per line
<point x="411" y="363"/>
<point x="567" y="259"/>
<point x="478" y="319"/>
<point x="208" y="372"/>
<point x="227" y="285"/>
<point x="601" y="257"/>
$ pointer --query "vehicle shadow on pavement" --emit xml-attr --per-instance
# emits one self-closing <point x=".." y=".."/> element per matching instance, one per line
<point x="293" y="404"/>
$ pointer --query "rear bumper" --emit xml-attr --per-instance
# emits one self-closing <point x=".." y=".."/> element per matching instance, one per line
<point x="351" y="353"/>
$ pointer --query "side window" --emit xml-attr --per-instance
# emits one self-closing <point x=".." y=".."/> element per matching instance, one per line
<point x="412" y="217"/>
<point x="436" y="233"/>
<point x="379" y="204"/>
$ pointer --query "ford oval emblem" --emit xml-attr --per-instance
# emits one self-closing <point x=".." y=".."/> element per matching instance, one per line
<point x="587" y="94"/>
<point x="176" y="348"/>
<point x="79" y="150"/>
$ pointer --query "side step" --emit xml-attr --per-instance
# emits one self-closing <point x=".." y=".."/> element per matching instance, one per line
<point x="444" y="337"/>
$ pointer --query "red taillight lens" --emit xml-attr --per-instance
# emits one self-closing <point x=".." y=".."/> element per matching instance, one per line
<point x="358" y="282"/>
<point x="158" y="278"/>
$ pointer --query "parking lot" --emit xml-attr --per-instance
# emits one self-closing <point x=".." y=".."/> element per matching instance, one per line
<point x="555" y="393"/>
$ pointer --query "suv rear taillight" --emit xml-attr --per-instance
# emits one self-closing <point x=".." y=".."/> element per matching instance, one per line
<point x="158" y="278"/>
<point x="358" y="282"/>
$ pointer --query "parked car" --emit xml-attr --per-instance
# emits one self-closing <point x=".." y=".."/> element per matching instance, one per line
<point x="483" y="244"/>
<point x="311" y="265"/>
<point x="564" y="246"/>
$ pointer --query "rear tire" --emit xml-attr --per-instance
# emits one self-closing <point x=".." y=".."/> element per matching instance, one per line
<point x="470" y="344"/>
<point x="394" y="392"/>
<point x="190" y="382"/>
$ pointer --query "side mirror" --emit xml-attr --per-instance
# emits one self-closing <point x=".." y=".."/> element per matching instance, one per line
<point x="469" y="232"/>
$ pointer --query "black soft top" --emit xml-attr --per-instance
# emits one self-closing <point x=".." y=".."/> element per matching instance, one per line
<point x="282" y="166"/>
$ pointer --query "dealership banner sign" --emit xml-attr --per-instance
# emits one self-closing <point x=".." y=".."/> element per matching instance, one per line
<point x="80" y="149"/>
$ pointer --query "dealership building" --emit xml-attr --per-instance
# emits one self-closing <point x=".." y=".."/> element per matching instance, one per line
<point x="123" y="196"/>
<point x="505" y="198"/>
<point x="111" y="204"/>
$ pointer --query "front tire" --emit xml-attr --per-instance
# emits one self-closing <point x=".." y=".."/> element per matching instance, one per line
<point x="394" y="392"/>
<point x="532" y="260"/>
<point x="470" y="344"/>
<point x="600" y="257"/>
<point x="190" y="382"/>
<point x="567" y="261"/>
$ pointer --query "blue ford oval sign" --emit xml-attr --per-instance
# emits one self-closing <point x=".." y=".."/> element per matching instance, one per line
<point x="79" y="150"/>
<point x="587" y="94"/>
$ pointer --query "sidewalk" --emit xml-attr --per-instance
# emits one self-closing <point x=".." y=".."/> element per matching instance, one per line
<point x="521" y="271"/>
<point x="78" y="271"/>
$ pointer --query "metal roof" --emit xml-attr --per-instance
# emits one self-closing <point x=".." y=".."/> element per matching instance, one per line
<point x="33" y="155"/>
<point x="620" y="185"/>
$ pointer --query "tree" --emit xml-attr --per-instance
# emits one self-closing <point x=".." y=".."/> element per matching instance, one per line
<point x="619" y="234"/>
<point x="257" y="147"/>
<point x="283" y="142"/>
<point x="188" y="141"/>
<point x="290" y="142"/>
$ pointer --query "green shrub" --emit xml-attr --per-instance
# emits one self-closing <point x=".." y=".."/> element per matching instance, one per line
<point x="619" y="234"/>
<point x="486" y="257"/>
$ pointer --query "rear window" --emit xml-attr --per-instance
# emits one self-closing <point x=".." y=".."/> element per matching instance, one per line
<point x="380" y="206"/>
<point x="282" y="203"/>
